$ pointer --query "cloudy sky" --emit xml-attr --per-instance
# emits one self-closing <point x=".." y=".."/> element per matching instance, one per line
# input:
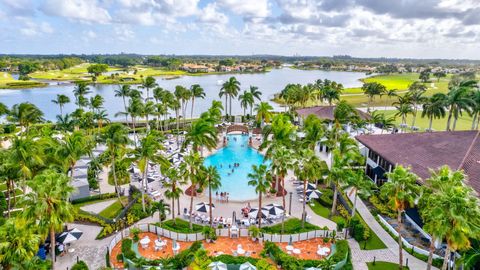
<point x="363" y="28"/>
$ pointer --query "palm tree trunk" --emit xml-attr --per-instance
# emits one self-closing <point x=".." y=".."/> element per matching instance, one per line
<point x="52" y="246"/>
<point x="333" y="211"/>
<point x="178" y="206"/>
<point x="259" y="215"/>
<point x="400" y="249"/>
<point x="414" y="116"/>
<point x="446" y="258"/>
<point x="173" y="203"/>
<point x="193" y="103"/>
<point x="449" y="118"/>
<point x="283" y="204"/>
<point x="144" y="184"/>
<point x="226" y="106"/>
<point x="354" y="203"/>
<point x="210" y="203"/>
<point x="134" y="132"/>
<point x="126" y="114"/>
<point x="191" y="209"/>
<point x="474" y="120"/>
<point x="230" y="107"/>
<point x="304" y="202"/>
<point x="430" y="124"/>
<point x="9" y="191"/>
<point x="454" y="122"/>
<point x="478" y="122"/>
<point x="178" y="124"/>
<point x="430" y="253"/>
<point x="115" y="181"/>
<point x="61" y="111"/>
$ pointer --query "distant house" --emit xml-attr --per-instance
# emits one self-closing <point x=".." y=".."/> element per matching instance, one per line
<point x="325" y="113"/>
<point x="194" y="68"/>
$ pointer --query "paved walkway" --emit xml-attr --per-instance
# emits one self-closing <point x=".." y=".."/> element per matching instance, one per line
<point x="390" y="254"/>
<point x="98" y="207"/>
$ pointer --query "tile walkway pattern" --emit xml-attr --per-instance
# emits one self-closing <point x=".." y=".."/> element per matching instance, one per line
<point x="390" y="254"/>
<point x="223" y="245"/>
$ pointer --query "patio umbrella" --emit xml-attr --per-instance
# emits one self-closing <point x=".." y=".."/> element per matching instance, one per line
<point x="217" y="266"/>
<point x="276" y="210"/>
<point x="247" y="266"/>
<point x="150" y="179"/>
<point x="313" y="194"/>
<point x="69" y="236"/>
<point x="254" y="212"/>
<point x="203" y="207"/>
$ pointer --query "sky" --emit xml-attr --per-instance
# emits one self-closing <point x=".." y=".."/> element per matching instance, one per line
<point x="360" y="28"/>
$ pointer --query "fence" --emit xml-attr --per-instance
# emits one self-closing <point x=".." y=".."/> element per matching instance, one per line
<point x="192" y="237"/>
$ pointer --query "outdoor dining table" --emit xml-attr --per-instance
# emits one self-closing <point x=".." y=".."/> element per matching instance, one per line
<point x="144" y="242"/>
<point x="296" y="251"/>
<point x="159" y="243"/>
<point x="289" y="248"/>
<point x="240" y="251"/>
<point x="176" y="248"/>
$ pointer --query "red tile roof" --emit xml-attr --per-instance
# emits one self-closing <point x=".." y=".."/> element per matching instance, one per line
<point x="325" y="112"/>
<point x="430" y="150"/>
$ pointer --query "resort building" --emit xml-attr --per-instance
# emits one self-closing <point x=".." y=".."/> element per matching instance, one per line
<point x="325" y="113"/>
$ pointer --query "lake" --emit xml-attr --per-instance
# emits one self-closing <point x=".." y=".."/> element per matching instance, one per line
<point x="268" y="83"/>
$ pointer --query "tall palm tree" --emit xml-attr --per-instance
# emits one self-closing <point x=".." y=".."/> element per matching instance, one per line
<point x="147" y="110"/>
<point x="258" y="179"/>
<point x="475" y="108"/>
<point x="25" y="114"/>
<point x="162" y="208"/>
<point x="191" y="170"/>
<point x="183" y="95"/>
<point x="434" y="107"/>
<point x="404" y="108"/>
<point x="124" y="92"/>
<point x="96" y="103"/>
<point x="401" y="191"/>
<point x="196" y="92"/>
<point x="80" y="91"/>
<point x="148" y="83"/>
<point x="213" y="180"/>
<point x="246" y="100"/>
<point x="48" y="204"/>
<point x="371" y="90"/>
<point x="72" y="148"/>
<point x="202" y="133"/>
<point x="115" y="136"/>
<point x="264" y="112"/>
<point x="148" y="151"/>
<point x="230" y="88"/>
<point x="61" y="100"/>
<point x="18" y="242"/>
<point x="358" y="184"/>
<point x="28" y="157"/>
<point x="257" y="94"/>
<point x="172" y="190"/>
<point x="415" y="93"/>
<point x="391" y="93"/>
<point x="282" y="161"/>
<point x="459" y="100"/>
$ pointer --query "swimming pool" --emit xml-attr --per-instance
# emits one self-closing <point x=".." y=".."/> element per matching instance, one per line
<point x="236" y="182"/>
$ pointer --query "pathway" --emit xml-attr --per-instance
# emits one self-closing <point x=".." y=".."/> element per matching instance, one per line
<point x="97" y="207"/>
<point x="390" y="254"/>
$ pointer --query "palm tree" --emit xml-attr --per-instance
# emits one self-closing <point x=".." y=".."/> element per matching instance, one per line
<point x="401" y="191"/>
<point x="18" y="242"/>
<point x="246" y="100"/>
<point x="390" y="94"/>
<point x="72" y="148"/>
<point x="162" y="208"/>
<point x="148" y="150"/>
<point x="81" y="89"/>
<point x="212" y="178"/>
<point x="196" y="92"/>
<point x="331" y="91"/>
<point x="258" y="179"/>
<point x="115" y="136"/>
<point x="385" y="122"/>
<point x="25" y="114"/>
<point x="264" y="112"/>
<point x="404" y="108"/>
<point x="201" y="134"/>
<point x="28" y="157"/>
<point x="124" y="92"/>
<point x="48" y="204"/>
<point x="459" y="100"/>
<point x="148" y="109"/>
<point x="172" y="187"/>
<point x="96" y="102"/>
<point x="282" y="161"/>
<point x="371" y="90"/>
<point x="183" y="95"/>
<point x="358" y="184"/>
<point x="415" y="94"/>
<point x="191" y="170"/>
<point x="148" y="84"/>
<point x="434" y="107"/>
<point x="61" y="100"/>
<point x="230" y="88"/>
<point x="257" y="94"/>
<point x="475" y="108"/>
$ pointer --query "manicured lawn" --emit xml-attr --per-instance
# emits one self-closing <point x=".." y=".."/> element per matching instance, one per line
<point x="181" y="226"/>
<point x="399" y="81"/>
<point x="6" y="81"/>
<point x="463" y="123"/>
<point x="383" y="266"/>
<point x="373" y="242"/>
<point x="113" y="209"/>
<point x="292" y="225"/>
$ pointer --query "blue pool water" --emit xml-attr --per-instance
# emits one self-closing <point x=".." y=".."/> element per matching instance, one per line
<point x="236" y="151"/>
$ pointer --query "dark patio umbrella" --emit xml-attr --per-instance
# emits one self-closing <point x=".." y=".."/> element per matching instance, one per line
<point x="254" y="213"/>
<point x="313" y="194"/>
<point x="203" y="207"/>
<point x="150" y="179"/>
<point x="69" y="236"/>
<point x="275" y="210"/>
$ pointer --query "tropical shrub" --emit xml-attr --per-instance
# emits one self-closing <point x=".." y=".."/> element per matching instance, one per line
<point x="229" y="259"/>
<point x="95" y="198"/>
<point x="135" y="234"/>
<point x="127" y="249"/>
<point x="381" y="206"/>
<point x="327" y="197"/>
<point x="81" y="265"/>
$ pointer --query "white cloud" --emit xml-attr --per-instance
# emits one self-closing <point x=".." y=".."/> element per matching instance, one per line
<point x="123" y="33"/>
<point x="81" y="10"/>
<point x="210" y="14"/>
<point x="19" y="7"/>
<point x="247" y="8"/>
<point x="31" y="28"/>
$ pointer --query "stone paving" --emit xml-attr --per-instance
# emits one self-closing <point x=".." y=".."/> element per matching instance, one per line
<point x="97" y="207"/>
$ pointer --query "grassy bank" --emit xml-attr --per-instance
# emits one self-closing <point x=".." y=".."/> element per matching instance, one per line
<point x="463" y="123"/>
<point x="7" y="82"/>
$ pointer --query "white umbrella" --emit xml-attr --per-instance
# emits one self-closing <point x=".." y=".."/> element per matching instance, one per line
<point x="203" y="207"/>
<point x="69" y="236"/>
<point x="247" y="266"/>
<point x="254" y="213"/>
<point x="217" y="266"/>
<point x="313" y="194"/>
<point x="275" y="209"/>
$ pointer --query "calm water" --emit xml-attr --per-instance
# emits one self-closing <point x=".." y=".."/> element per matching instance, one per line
<point x="269" y="83"/>
<point x="236" y="182"/>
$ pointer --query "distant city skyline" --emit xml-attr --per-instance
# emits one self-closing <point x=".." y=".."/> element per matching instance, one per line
<point x="440" y="29"/>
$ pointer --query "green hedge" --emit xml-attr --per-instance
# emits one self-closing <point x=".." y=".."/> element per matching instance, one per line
<point x="286" y="261"/>
<point x="327" y="197"/>
<point x="181" y="226"/>
<point x="95" y="198"/>
<point x="180" y="261"/>
<point x="292" y="225"/>
<point x="229" y="259"/>
<point x="81" y="265"/>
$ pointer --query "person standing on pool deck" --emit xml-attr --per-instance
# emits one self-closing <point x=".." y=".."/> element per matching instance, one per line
<point x="228" y="194"/>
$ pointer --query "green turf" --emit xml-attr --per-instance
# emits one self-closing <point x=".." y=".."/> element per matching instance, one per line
<point x="384" y="266"/>
<point x="323" y="211"/>
<point x="7" y="81"/>
<point x="113" y="209"/>
<point x="463" y="123"/>
<point x="399" y="81"/>
<point x="292" y="225"/>
<point x="181" y="226"/>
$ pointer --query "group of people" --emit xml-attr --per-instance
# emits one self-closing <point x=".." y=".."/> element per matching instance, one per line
<point x="246" y="210"/>
<point x="223" y="196"/>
